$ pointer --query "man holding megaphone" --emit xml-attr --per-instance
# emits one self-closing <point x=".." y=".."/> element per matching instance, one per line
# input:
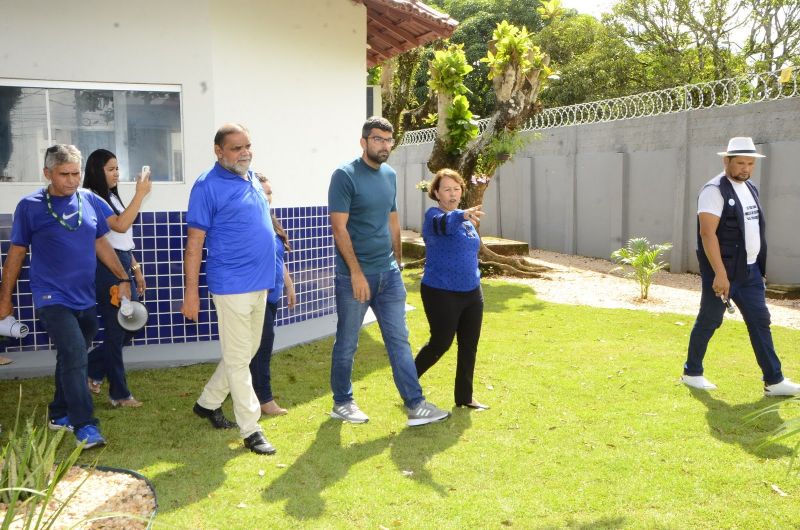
<point x="65" y="228"/>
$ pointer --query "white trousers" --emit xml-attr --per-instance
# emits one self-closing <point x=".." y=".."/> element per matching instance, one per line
<point x="241" y="321"/>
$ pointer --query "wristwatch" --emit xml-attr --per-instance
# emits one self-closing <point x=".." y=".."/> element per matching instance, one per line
<point x="135" y="267"/>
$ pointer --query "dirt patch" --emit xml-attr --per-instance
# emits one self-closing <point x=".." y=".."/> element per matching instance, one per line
<point x="579" y="280"/>
<point x="103" y="492"/>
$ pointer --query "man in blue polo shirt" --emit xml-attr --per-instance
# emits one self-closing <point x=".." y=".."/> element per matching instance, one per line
<point x="362" y="201"/>
<point x="65" y="228"/>
<point x="229" y="212"/>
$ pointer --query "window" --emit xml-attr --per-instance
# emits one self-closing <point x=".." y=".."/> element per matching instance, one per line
<point x="141" y="125"/>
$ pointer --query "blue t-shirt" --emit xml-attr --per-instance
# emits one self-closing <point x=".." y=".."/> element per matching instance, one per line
<point x="451" y="251"/>
<point x="63" y="262"/>
<point x="280" y="252"/>
<point x="368" y="195"/>
<point x="234" y="213"/>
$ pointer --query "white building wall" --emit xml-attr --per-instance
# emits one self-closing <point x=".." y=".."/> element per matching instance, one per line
<point x="292" y="71"/>
<point x="297" y="81"/>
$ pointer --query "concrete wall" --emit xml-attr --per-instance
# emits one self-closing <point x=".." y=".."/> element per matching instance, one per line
<point x="587" y="189"/>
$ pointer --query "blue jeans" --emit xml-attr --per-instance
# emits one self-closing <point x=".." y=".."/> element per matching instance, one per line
<point x="388" y="302"/>
<point x="749" y="297"/>
<point x="259" y="366"/>
<point x="71" y="331"/>
<point x="106" y="359"/>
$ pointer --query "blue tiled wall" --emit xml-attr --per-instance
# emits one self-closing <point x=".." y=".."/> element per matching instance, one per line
<point x="160" y="238"/>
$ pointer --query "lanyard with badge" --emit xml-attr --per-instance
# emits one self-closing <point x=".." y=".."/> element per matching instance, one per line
<point x="60" y="218"/>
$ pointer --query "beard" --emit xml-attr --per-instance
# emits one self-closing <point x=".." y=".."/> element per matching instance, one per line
<point x="378" y="157"/>
<point x="740" y="178"/>
<point x="240" y="167"/>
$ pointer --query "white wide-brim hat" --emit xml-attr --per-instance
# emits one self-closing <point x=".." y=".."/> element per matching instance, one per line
<point x="741" y="146"/>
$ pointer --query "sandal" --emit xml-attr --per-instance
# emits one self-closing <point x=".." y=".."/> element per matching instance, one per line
<point x="95" y="386"/>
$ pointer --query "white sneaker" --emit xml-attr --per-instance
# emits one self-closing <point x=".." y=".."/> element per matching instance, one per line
<point x="787" y="387"/>
<point x="698" y="381"/>
<point x="349" y="412"/>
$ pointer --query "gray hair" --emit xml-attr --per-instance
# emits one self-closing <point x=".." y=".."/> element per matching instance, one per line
<point x="61" y="154"/>
<point x="225" y="130"/>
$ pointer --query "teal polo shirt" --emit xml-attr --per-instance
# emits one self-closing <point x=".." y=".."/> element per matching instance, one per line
<point x="368" y="195"/>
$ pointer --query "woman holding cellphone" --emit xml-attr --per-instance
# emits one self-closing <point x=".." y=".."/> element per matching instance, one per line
<point x="101" y="176"/>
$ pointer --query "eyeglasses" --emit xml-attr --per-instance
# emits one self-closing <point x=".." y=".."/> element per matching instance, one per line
<point x="381" y="140"/>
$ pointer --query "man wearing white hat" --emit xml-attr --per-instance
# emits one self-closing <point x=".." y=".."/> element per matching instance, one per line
<point x="732" y="254"/>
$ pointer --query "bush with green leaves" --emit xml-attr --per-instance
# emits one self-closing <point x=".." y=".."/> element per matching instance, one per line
<point x="512" y="45"/>
<point x="447" y="70"/>
<point x="645" y="259"/>
<point x="461" y="125"/>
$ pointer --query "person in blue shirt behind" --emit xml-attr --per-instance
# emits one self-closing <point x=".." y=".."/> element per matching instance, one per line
<point x="362" y="202"/>
<point x="65" y="228"/>
<point x="259" y="366"/>
<point x="228" y="212"/>
<point x="451" y="285"/>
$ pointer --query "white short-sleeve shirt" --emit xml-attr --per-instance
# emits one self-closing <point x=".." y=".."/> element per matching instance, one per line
<point x="120" y="240"/>
<point x="710" y="201"/>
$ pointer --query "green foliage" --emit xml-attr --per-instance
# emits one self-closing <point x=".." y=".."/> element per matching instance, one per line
<point x="431" y="119"/>
<point x="593" y="60"/>
<point x="506" y="145"/>
<point x="477" y="21"/>
<point x="448" y="69"/>
<point x="461" y="125"/>
<point x="512" y="46"/>
<point x="644" y="257"/>
<point x="28" y="474"/>
<point x="374" y="75"/>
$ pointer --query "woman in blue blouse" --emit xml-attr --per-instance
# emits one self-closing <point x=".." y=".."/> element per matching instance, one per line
<point x="259" y="365"/>
<point x="451" y="284"/>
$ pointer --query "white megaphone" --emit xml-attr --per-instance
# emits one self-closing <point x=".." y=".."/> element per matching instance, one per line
<point x="10" y="327"/>
<point x="132" y="315"/>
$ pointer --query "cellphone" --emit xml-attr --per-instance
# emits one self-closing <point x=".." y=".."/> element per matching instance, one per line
<point x="145" y="170"/>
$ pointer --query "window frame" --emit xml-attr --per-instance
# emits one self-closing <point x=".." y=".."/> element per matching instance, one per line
<point x="106" y="86"/>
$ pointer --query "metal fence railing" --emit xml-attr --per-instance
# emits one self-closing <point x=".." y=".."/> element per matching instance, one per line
<point x="751" y="88"/>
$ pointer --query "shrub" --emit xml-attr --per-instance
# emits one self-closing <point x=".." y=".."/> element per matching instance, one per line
<point x="27" y="475"/>
<point x="644" y="257"/>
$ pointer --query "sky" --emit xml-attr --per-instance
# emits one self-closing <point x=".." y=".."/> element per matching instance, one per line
<point x="591" y="7"/>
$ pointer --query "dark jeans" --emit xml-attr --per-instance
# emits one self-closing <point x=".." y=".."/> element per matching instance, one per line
<point x="748" y="296"/>
<point x="106" y="359"/>
<point x="451" y="314"/>
<point x="259" y="366"/>
<point x="71" y="331"/>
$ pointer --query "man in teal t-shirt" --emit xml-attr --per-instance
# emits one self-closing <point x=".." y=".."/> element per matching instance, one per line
<point x="366" y="229"/>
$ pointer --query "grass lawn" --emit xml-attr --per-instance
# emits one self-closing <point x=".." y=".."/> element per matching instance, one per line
<point x="589" y="428"/>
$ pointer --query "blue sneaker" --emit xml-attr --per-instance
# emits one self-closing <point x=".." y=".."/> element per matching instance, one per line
<point x="60" y="424"/>
<point x="90" y="436"/>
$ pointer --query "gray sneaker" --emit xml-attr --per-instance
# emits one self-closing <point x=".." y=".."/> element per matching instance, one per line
<point x="349" y="412"/>
<point x="425" y="413"/>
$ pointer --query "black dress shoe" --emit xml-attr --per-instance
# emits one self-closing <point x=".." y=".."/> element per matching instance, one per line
<point x="215" y="417"/>
<point x="258" y="444"/>
<point x="475" y="405"/>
